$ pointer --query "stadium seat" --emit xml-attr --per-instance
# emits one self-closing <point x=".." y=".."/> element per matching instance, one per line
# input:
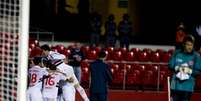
<point x="109" y="49"/>
<point x="66" y="52"/>
<point x="36" y="52"/>
<point x="130" y="56"/>
<point x="92" y="55"/>
<point x="96" y="48"/>
<point x="171" y="51"/>
<point x="117" y="55"/>
<point x="166" y="57"/>
<point x="118" y="78"/>
<point x="85" y="49"/>
<point x="155" y="56"/>
<point x="115" y="67"/>
<point x="84" y="64"/>
<point x="143" y="56"/>
<point x="123" y="50"/>
<point x="133" y="80"/>
<point x="85" y="77"/>
<point x="135" y="50"/>
<point x="149" y="81"/>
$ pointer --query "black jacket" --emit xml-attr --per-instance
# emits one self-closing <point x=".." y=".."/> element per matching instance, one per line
<point x="100" y="76"/>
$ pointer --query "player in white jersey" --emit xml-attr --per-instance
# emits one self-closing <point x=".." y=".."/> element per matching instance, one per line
<point x="68" y="89"/>
<point x="36" y="74"/>
<point x="50" y="86"/>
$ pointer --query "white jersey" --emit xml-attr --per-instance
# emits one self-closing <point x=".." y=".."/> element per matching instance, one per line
<point x="36" y="74"/>
<point x="50" y="89"/>
<point x="55" y="56"/>
<point x="68" y="89"/>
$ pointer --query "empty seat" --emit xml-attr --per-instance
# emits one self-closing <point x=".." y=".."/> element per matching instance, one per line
<point x="166" y="57"/>
<point x="130" y="56"/>
<point x="155" y="56"/>
<point x="117" y="55"/>
<point x="92" y="55"/>
<point x="143" y="56"/>
<point x="85" y="49"/>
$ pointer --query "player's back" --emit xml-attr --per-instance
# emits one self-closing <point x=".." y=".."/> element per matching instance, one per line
<point x="36" y="74"/>
<point x="50" y="86"/>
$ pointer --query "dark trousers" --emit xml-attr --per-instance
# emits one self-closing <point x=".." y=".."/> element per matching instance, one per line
<point x="98" y="96"/>
<point x="124" y="42"/>
<point x="180" y="95"/>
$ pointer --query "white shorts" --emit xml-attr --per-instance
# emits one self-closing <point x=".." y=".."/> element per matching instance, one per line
<point x="34" y="94"/>
<point x="68" y="93"/>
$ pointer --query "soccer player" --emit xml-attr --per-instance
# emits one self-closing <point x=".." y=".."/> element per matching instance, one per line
<point x="68" y="88"/>
<point x="50" y="85"/>
<point x="35" y="74"/>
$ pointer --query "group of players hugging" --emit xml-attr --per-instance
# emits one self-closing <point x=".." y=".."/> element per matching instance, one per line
<point x="50" y="78"/>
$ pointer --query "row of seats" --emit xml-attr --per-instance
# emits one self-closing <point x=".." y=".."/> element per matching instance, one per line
<point x="120" y="54"/>
<point x="141" y="76"/>
<point x="127" y="70"/>
<point x="135" y="76"/>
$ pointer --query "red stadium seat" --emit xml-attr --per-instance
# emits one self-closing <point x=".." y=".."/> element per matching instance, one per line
<point x="92" y="55"/>
<point x="135" y="50"/>
<point x="115" y="67"/>
<point x="123" y="50"/>
<point x="171" y="51"/>
<point x="130" y="56"/>
<point x="84" y="64"/>
<point x="155" y="56"/>
<point x="109" y="49"/>
<point x="66" y="52"/>
<point x="143" y="56"/>
<point x="118" y="78"/>
<point x="85" y="77"/>
<point x="85" y="49"/>
<point x="166" y="57"/>
<point x="150" y="77"/>
<point x="117" y="55"/>
<point x="36" y="52"/>
<point x="133" y="79"/>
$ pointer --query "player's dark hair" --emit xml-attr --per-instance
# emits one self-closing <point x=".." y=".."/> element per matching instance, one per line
<point x="102" y="54"/>
<point x="52" y="67"/>
<point x="188" y="38"/>
<point x="45" y="47"/>
<point x="37" y="60"/>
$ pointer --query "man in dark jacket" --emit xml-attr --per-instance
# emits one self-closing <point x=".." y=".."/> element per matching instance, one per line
<point x="100" y="77"/>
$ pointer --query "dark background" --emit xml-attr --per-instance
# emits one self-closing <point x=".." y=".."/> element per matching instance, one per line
<point x="158" y="20"/>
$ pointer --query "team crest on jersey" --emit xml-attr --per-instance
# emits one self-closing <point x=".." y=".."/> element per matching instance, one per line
<point x="190" y="63"/>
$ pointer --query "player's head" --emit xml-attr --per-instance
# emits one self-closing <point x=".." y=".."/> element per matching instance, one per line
<point x="45" y="62"/>
<point x="102" y="55"/>
<point x="52" y="66"/>
<point x="188" y="43"/>
<point x="45" y="49"/>
<point x="57" y="59"/>
<point x="37" y="60"/>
